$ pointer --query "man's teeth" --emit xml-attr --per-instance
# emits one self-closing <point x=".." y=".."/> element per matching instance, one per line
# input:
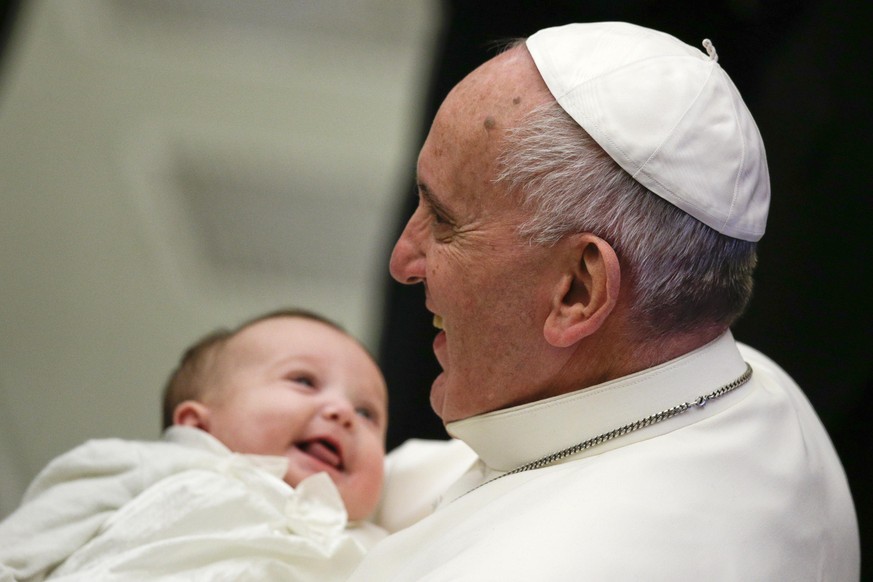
<point x="438" y="321"/>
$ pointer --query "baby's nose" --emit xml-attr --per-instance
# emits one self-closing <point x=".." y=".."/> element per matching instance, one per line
<point x="340" y="411"/>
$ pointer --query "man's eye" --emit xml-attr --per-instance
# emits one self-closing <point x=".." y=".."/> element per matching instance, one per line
<point x="442" y="229"/>
<point x="439" y="219"/>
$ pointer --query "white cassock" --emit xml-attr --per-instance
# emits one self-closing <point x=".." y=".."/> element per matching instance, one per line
<point x="746" y="487"/>
<point x="184" y="508"/>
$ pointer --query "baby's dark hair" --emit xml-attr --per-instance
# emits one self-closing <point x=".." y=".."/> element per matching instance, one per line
<point x="189" y="380"/>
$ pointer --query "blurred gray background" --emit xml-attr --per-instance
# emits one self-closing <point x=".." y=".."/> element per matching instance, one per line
<point x="172" y="166"/>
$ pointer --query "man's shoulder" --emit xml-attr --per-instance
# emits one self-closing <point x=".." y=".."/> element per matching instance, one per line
<point x="755" y="356"/>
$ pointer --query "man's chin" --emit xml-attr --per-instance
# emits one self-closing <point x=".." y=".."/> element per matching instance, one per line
<point x="443" y="406"/>
<point x="438" y="396"/>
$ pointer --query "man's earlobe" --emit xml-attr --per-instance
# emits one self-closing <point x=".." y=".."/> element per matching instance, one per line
<point x="192" y="413"/>
<point x="586" y="293"/>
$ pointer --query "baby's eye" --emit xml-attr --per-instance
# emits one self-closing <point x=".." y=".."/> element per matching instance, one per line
<point x="365" y="412"/>
<point x="307" y="381"/>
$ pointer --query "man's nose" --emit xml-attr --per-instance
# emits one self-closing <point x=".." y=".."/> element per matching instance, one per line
<point x="407" y="263"/>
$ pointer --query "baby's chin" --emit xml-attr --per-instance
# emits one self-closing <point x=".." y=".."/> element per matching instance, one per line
<point x="361" y="499"/>
<point x="359" y="513"/>
<point x="360" y="496"/>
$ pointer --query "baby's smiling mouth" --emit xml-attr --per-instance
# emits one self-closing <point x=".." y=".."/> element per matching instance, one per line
<point x="324" y="450"/>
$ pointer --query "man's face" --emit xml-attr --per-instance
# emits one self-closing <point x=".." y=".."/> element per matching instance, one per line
<point x="485" y="282"/>
<point x="300" y="389"/>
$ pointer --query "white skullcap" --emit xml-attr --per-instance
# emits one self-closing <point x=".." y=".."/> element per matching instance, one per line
<point x="667" y="113"/>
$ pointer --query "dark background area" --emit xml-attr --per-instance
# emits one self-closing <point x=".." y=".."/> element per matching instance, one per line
<point x="803" y="69"/>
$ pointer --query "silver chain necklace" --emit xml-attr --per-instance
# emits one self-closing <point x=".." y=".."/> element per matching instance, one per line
<point x="700" y="402"/>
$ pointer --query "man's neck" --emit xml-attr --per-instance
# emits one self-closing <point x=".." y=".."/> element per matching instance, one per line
<point x="597" y="360"/>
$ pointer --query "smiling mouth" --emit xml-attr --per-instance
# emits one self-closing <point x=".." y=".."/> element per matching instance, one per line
<point x="323" y="450"/>
<point x="438" y="321"/>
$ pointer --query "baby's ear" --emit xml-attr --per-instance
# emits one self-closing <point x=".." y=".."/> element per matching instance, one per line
<point x="192" y="413"/>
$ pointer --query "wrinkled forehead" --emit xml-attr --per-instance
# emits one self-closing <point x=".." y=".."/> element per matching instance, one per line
<point x="496" y="95"/>
<point x="460" y="157"/>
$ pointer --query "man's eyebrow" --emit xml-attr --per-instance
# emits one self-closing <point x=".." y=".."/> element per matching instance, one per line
<point x="431" y="200"/>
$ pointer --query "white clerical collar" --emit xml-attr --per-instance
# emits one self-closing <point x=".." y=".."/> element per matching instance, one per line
<point x="506" y="439"/>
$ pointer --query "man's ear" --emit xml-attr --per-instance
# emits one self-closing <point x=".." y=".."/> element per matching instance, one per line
<point x="586" y="293"/>
<point x="192" y="413"/>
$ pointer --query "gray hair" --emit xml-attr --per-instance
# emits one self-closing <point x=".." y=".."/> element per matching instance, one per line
<point x="683" y="274"/>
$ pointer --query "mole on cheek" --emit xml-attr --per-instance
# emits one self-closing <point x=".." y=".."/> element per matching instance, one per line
<point x="516" y="101"/>
<point x="489" y="123"/>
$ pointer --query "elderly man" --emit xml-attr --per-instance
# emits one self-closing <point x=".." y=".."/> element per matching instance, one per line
<point x="590" y="202"/>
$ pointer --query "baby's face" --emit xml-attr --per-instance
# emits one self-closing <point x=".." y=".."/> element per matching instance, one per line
<point x="303" y="390"/>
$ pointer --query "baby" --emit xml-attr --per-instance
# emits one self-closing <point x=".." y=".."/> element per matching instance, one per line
<point x="271" y="459"/>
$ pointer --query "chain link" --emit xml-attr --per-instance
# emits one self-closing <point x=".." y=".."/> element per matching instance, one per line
<point x="700" y="402"/>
